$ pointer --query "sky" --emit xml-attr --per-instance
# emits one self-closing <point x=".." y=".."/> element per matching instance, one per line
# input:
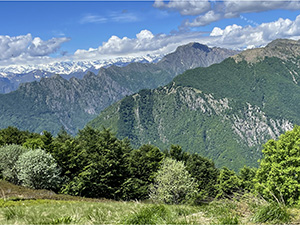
<point x="47" y="31"/>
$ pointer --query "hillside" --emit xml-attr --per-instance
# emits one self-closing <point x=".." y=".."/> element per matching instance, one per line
<point x="55" y="102"/>
<point x="224" y="112"/>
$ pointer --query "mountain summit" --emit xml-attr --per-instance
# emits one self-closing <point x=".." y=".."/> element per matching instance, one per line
<point x="280" y="48"/>
<point x="55" y="102"/>
<point x="225" y="111"/>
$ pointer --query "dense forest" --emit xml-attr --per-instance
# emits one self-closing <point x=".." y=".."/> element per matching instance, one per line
<point x="97" y="164"/>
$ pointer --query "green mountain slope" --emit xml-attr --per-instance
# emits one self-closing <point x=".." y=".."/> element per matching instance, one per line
<point x="225" y="112"/>
<point x="55" y="102"/>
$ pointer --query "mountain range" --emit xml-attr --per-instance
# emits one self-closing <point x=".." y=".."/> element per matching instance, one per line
<point x="12" y="76"/>
<point x="226" y="111"/>
<point x="55" y="102"/>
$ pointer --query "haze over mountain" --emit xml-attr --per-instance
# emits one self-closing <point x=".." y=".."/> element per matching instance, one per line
<point x="55" y="102"/>
<point x="225" y="111"/>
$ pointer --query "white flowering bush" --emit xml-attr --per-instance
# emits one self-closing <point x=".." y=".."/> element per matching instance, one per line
<point x="38" y="169"/>
<point x="173" y="184"/>
<point x="9" y="155"/>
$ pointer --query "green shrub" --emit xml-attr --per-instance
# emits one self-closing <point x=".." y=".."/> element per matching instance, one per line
<point x="38" y="169"/>
<point x="277" y="178"/>
<point x="272" y="213"/>
<point x="143" y="163"/>
<point x="9" y="155"/>
<point x="246" y="177"/>
<point x="228" y="183"/>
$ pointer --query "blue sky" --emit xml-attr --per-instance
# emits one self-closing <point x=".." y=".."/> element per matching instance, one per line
<point x="41" y="32"/>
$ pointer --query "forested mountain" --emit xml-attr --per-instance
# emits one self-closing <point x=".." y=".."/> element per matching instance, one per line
<point x="224" y="112"/>
<point x="55" y="102"/>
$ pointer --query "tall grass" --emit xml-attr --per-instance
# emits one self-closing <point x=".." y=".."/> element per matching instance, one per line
<point x="62" y="212"/>
<point x="223" y="212"/>
<point x="272" y="213"/>
<point x="164" y="214"/>
<point x="154" y="214"/>
<point x="234" y="211"/>
<point x="72" y="212"/>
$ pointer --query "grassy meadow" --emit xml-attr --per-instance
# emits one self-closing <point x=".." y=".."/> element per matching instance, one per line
<point x="20" y="205"/>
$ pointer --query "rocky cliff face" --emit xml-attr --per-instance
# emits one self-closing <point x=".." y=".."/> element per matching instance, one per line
<point x="55" y="102"/>
<point x="223" y="129"/>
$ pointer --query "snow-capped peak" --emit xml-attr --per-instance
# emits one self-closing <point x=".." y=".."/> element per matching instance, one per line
<point x="69" y="67"/>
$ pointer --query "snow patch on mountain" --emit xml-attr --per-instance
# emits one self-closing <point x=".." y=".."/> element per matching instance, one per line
<point x="69" y="67"/>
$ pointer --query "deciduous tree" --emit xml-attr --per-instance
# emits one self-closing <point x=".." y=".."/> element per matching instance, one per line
<point x="173" y="184"/>
<point x="278" y="176"/>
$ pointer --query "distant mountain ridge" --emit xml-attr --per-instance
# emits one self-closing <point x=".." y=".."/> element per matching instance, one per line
<point x="12" y="76"/>
<point x="55" y="102"/>
<point x="68" y="67"/>
<point x="225" y="111"/>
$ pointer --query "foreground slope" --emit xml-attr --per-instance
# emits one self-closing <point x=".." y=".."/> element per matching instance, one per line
<point x="225" y="112"/>
<point x="55" y="102"/>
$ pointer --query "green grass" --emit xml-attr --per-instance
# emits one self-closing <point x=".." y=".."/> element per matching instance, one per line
<point x="223" y="212"/>
<point x="64" y="212"/>
<point x="272" y="213"/>
<point x="113" y="212"/>
<point x="20" y="205"/>
<point x="163" y="214"/>
<point x="110" y="212"/>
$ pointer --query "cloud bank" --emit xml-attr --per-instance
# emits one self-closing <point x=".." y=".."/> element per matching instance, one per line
<point x="24" y="47"/>
<point x="28" y="50"/>
<point x="244" y="37"/>
<point x="233" y="37"/>
<point x="207" y="11"/>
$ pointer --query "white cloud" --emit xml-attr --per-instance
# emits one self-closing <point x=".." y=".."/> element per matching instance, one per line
<point x="39" y="47"/>
<point x="90" y="18"/>
<point x="189" y="7"/>
<point x="233" y="36"/>
<point x="120" y="17"/>
<point x="11" y="47"/>
<point x="145" y="35"/>
<point x="144" y="43"/>
<point x="208" y="11"/>
<point x="124" y="17"/>
<point x="24" y="48"/>
<point x="207" y="18"/>
<point x="235" y="8"/>
<point x="27" y="50"/>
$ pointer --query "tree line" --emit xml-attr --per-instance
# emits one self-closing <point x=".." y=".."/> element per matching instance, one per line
<point x="95" y="163"/>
